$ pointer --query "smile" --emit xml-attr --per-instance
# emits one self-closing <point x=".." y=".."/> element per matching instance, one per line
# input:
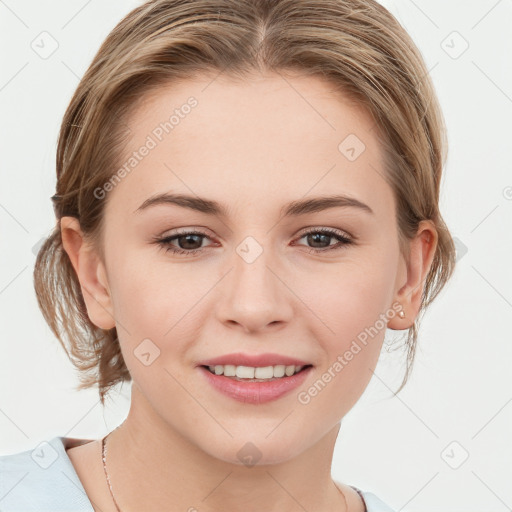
<point x="255" y="385"/>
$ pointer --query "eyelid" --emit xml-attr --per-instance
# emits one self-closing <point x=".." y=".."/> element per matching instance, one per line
<point x="205" y="231"/>
<point x="344" y="240"/>
<point x="337" y="231"/>
<point x="179" y="231"/>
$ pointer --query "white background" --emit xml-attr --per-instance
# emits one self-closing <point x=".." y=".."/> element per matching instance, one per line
<point x="460" y="389"/>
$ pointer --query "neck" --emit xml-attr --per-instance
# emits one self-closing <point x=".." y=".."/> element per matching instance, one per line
<point x="154" y="467"/>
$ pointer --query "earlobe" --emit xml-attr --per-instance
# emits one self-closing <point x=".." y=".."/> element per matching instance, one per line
<point x="422" y="251"/>
<point x="90" y="272"/>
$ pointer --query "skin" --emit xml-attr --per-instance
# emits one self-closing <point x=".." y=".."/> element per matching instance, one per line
<point x="253" y="146"/>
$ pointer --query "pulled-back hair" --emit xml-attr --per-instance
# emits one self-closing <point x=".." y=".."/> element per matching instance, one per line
<point x="356" y="45"/>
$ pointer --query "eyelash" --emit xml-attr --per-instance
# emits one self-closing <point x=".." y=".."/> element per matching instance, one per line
<point x="344" y="241"/>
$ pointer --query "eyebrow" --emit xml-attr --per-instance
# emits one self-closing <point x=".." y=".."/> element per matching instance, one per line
<point x="293" y="209"/>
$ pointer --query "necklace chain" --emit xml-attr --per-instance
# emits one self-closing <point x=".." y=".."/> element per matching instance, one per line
<point x="104" y="458"/>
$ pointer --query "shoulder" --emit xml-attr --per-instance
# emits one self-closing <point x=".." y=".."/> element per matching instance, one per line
<point x="372" y="502"/>
<point x="375" y="504"/>
<point x="42" y="479"/>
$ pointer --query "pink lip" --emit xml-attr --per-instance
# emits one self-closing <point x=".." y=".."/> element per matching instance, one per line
<point x="255" y="392"/>
<point x="239" y="359"/>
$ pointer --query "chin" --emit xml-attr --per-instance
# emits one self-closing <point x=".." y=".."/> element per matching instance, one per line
<point x="253" y="450"/>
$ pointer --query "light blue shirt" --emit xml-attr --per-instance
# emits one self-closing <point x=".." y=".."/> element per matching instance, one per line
<point x="44" y="480"/>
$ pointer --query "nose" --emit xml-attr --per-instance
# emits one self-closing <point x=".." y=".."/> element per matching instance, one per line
<point x="254" y="295"/>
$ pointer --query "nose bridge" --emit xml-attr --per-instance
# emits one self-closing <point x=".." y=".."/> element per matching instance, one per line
<point x="251" y="263"/>
<point x="254" y="296"/>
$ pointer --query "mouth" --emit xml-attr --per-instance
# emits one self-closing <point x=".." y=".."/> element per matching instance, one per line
<point x="255" y="385"/>
<point x="256" y="374"/>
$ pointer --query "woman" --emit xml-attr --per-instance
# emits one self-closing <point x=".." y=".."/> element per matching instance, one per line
<point x="247" y="197"/>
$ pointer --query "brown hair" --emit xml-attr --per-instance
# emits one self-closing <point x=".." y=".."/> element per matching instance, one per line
<point x="357" y="45"/>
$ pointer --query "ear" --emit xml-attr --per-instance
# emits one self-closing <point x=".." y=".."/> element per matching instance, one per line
<point x="91" y="273"/>
<point x="422" y="252"/>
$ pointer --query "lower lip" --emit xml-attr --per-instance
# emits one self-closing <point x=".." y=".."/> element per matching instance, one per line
<point x="255" y="392"/>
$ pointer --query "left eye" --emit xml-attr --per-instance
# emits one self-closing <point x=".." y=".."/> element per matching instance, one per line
<point x="319" y="236"/>
<point x="190" y="242"/>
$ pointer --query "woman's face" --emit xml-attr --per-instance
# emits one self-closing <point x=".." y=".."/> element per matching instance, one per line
<point x="253" y="281"/>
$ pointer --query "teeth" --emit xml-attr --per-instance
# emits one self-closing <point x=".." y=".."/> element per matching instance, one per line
<point x="250" y="372"/>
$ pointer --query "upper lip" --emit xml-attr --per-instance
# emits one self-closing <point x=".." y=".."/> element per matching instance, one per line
<point x="255" y="360"/>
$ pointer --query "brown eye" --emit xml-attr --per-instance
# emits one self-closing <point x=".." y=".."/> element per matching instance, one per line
<point x="189" y="242"/>
<point x="320" y="239"/>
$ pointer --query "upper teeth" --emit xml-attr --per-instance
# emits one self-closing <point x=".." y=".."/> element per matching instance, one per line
<point x="250" y="372"/>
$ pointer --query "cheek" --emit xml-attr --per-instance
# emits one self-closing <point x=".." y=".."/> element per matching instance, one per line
<point x="350" y="295"/>
<point x="157" y="306"/>
<point x="151" y="295"/>
<point x="155" y="317"/>
<point x="352" y="306"/>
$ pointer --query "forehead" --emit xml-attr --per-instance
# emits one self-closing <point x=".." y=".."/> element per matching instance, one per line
<point x="248" y="141"/>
